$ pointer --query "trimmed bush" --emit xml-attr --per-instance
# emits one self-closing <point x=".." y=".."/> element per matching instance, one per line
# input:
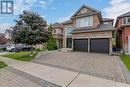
<point x="38" y="49"/>
<point x="51" y="44"/>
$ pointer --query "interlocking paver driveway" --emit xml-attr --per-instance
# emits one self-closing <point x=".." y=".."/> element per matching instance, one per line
<point x="100" y="65"/>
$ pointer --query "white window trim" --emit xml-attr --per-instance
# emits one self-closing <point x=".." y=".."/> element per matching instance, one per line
<point x="85" y="22"/>
<point x="126" y="21"/>
<point x="66" y="31"/>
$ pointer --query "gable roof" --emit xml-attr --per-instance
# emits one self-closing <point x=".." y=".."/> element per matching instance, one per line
<point x="84" y="6"/>
<point x="125" y="14"/>
<point x="57" y="25"/>
<point x="67" y="22"/>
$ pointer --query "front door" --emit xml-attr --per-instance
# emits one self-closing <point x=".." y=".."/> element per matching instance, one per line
<point x="69" y="42"/>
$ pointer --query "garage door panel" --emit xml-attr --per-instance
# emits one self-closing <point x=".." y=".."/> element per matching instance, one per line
<point x="99" y="45"/>
<point x="80" y="45"/>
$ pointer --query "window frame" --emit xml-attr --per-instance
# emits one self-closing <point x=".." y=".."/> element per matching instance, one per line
<point x="125" y="20"/>
<point x="67" y="29"/>
<point x="85" y="22"/>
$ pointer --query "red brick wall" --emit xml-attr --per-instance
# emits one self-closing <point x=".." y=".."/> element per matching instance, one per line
<point x="119" y="24"/>
<point x="127" y="32"/>
<point x="123" y="38"/>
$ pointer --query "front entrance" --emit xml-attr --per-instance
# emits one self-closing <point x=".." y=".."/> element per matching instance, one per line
<point x="69" y="43"/>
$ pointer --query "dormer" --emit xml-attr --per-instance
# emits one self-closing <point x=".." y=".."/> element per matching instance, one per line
<point x="107" y="21"/>
<point x="86" y="17"/>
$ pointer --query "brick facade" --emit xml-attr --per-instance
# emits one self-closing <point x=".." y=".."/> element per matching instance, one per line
<point x="125" y="38"/>
<point x="97" y="21"/>
<point x="122" y="31"/>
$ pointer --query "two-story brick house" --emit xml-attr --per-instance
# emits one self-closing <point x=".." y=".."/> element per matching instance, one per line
<point x="122" y="26"/>
<point x="58" y="34"/>
<point x="87" y="31"/>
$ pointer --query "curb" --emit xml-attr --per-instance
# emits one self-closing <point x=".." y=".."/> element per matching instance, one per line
<point x="124" y="70"/>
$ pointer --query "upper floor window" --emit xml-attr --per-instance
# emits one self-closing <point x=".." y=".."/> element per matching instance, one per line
<point x="68" y="31"/>
<point x="126" y="20"/>
<point x="57" y="31"/>
<point x="54" y="31"/>
<point x="84" y="22"/>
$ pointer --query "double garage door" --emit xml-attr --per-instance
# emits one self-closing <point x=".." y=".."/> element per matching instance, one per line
<point x="96" y="45"/>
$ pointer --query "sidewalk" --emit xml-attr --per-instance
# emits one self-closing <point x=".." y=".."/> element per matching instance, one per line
<point x="61" y="77"/>
<point x="9" y="79"/>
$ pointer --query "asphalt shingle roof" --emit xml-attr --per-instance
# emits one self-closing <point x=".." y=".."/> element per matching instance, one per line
<point x="58" y="25"/>
<point x="103" y="27"/>
<point x="67" y="22"/>
<point x="107" y="19"/>
<point x="126" y="14"/>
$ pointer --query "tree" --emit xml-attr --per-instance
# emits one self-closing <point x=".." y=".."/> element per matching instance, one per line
<point x="51" y="43"/>
<point x="30" y="29"/>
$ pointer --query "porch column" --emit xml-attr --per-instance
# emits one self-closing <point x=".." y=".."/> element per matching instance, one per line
<point x="110" y="46"/>
<point x="72" y="44"/>
<point x="88" y="44"/>
<point x="65" y="42"/>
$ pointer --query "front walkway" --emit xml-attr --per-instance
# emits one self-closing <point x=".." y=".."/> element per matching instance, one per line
<point x="61" y="77"/>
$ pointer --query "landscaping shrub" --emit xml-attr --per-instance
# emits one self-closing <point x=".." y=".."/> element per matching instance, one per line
<point x="2" y="49"/>
<point x="2" y="64"/>
<point x="38" y="49"/>
<point x="51" y="44"/>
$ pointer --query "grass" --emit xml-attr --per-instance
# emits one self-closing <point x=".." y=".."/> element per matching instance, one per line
<point x="23" y="56"/>
<point x="126" y="60"/>
<point x="2" y="64"/>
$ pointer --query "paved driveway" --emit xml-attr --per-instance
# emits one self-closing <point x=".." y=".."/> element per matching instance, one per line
<point x="100" y="65"/>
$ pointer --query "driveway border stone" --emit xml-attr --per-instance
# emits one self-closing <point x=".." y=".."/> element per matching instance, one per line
<point x="124" y="70"/>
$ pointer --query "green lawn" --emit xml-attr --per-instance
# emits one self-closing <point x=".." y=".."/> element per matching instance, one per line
<point x="2" y="64"/>
<point x="23" y="56"/>
<point x="126" y="60"/>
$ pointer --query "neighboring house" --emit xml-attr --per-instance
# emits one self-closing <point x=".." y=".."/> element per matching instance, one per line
<point x="87" y="31"/>
<point x="58" y="34"/>
<point x="8" y="34"/>
<point x="122" y="26"/>
<point x="3" y="41"/>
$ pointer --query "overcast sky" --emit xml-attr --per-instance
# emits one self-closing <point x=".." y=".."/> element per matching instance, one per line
<point x="61" y="10"/>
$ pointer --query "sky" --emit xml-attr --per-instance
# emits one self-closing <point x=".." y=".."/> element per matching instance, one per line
<point x="61" y="10"/>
